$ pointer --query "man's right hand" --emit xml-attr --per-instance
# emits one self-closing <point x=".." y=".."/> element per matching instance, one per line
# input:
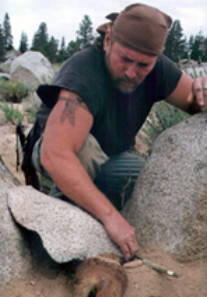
<point x="122" y="233"/>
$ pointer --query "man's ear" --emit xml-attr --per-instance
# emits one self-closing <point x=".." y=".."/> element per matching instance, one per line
<point x="107" y="38"/>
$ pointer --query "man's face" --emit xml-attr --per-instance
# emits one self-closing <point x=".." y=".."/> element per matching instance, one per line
<point x="128" y="68"/>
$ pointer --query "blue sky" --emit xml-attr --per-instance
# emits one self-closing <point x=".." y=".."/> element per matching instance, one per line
<point x="64" y="16"/>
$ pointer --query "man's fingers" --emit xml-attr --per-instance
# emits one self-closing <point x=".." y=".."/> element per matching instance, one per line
<point x="199" y="92"/>
<point x="134" y="247"/>
<point x="129" y="248"/>
<point x="126" y="251"/>
<point x="204" y="86"/>
<point x="190" y="98"/>
<point x="123" y="234"/>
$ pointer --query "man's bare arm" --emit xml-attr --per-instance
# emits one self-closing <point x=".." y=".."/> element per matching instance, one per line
<point x="67" y="128"/>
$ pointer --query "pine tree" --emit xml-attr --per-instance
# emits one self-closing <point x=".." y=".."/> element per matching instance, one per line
<point x="40" y="39"/>
<point x="62" y="54"/>
<point x="73" y="47"/>
<point x="2" y="45"/>
<point x="85" y="32"/>
<point x="52" y="48"/>
<point x="23" y="47"/>
<point x="84" y="36"/>
<point x="205" y="50"/>
<point x="198" y="48"/>
<point x="190" y="45"/>
<point x="8" y="38"/>
<point x="176" y="44"/>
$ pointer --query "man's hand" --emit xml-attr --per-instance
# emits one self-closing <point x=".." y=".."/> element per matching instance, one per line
<point x="122" y="233"/>
<point x="198" y="97"/>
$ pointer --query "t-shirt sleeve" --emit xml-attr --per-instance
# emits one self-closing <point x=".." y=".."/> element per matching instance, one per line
<point x="78" y="75"/>
<point x="167" y="77"/>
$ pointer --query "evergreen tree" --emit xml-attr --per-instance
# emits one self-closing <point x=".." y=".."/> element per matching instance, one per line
<point x="62" y="54"/>
<point x="198" y="48"/>
<point x="8" y="38"/>
<point x="52" y="48"/>
<point x="73" y="47"/>
<point x="176" y="44"/>
<point x="190" y="45"/>
<point x="23" y="47"/>
<point x="205" y="50"/>
<point x="2" y="45"/>
<point x="40" y="39"/>
<point x="85" y="32"/>
<point x="84" y="36"/>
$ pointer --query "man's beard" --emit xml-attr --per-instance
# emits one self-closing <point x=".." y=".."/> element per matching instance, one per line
<point x="125" y="85"/>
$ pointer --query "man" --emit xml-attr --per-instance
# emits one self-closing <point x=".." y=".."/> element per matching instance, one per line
<point x="108" y="93"/>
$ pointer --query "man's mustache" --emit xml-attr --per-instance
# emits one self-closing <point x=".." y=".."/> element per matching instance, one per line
<point x="128" y="80"/>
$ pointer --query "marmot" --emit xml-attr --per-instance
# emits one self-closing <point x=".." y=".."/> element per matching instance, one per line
<point x="101" y="276"/>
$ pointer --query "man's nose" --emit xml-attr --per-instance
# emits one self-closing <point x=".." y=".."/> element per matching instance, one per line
<point x="131" y="71"/>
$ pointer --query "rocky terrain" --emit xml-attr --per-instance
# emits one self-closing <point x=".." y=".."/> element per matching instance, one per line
<point x="171" y="190"/>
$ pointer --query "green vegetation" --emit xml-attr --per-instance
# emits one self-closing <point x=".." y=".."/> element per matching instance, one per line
<point x="13" y="91"/>
<point x="176" y="46"/>
<point x="8" y="38"/>
<point x="12" y="114"/>
<point x="2" y="47"/>
<point x="31" y="113"/>
<point x="161" y="117"/>
<point x="48" y="45"/>
<point x="23" y="46"/>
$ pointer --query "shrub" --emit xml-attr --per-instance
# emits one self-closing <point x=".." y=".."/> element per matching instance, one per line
<point x="161" y="117"/>
<point x="12" y="115"/>
<point x="13" y="91"/>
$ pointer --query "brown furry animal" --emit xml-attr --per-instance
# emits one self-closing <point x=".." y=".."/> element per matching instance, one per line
<point x="102" y="276"/>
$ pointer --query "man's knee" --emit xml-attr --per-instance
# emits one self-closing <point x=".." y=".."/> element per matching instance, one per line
<point x="119" y="175"/>
<point x="92" y="156"/>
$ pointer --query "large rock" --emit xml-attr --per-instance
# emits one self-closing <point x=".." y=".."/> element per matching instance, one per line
<point x="66" y="231"/>
<point x="169" y="203"/>
<point x="14" y="255"/>
<point x="32" y="69"/>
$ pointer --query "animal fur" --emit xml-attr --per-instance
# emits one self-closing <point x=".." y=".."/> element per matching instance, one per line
<point x="102" y="276"/>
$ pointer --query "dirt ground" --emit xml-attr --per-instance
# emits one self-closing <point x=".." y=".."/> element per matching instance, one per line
<point x="53" y="281"/>
<point x="143" y="281"/>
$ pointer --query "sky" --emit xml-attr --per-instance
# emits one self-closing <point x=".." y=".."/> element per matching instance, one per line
<point x="64" y="16"/>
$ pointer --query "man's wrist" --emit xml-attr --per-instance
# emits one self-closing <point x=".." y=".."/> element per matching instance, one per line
<point x="110" y="215"/>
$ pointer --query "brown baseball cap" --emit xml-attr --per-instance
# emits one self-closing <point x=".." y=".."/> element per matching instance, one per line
<point x="141" y="27"/>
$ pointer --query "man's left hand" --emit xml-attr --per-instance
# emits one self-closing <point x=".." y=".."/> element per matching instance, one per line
<point x="198" y="98"/>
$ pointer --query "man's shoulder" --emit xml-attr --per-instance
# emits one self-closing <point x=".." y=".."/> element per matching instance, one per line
<point x="164" y="67"/>
<point x="164" y="61"/>
<point x="164" y="77"/>
<point x="87" y="58"/>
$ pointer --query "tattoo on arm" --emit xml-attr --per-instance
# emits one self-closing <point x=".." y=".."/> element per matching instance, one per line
<point x="71" y="105"/>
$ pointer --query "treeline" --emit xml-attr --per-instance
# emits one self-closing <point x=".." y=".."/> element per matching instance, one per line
<point x="178" y="46"/>
<point x="6" y="38"/>
<point x="48" y="45"/>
